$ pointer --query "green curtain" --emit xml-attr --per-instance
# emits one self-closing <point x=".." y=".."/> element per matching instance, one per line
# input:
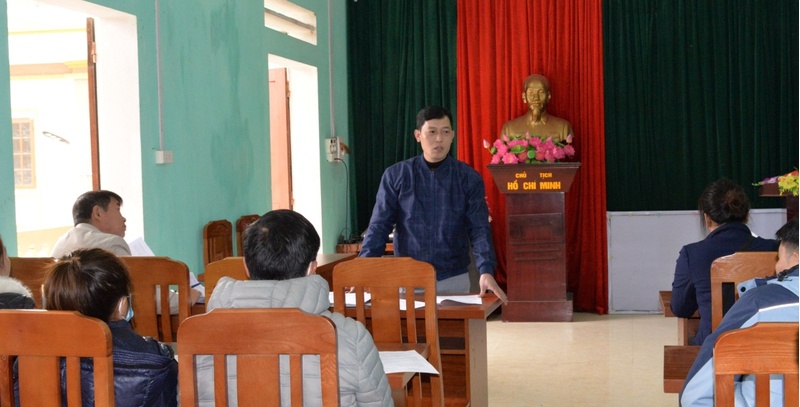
<point x="696" y="90"/>
<point x="401" y="57"/>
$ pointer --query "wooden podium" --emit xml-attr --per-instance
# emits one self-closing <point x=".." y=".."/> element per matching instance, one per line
<point x="790" y="200"/>
<point x="536" y="265"/>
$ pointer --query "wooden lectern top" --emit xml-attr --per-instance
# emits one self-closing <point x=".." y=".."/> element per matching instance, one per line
<point x="533" y="178"/>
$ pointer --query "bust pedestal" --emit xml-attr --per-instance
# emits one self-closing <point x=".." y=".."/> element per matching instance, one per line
<point x="536" y="266"/>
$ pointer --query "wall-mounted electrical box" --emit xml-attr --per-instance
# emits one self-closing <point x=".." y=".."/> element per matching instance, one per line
<point x="333" y="148"/>
<point x="163" y="157"/>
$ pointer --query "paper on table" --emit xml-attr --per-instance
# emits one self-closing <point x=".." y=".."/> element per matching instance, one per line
<point x="405" y="361"/>
<point x="140" y="248"/>
<point x="417" y="304"/>
<point x="464" y="299"/>
<point x="349" y="298"/>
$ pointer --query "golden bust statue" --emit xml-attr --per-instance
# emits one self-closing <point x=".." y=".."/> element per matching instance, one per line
<point x="537" y="122"/>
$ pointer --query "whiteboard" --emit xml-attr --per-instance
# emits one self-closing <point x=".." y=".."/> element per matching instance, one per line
<point x="643" y="247"/>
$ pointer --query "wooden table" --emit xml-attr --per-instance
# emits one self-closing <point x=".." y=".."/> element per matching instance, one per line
<point x="462" y="344"/>
<point x="462" y="340"/>
<point x="687" y="327"/>
<point x="677" y="362"/>
<point x="326" y="262"/>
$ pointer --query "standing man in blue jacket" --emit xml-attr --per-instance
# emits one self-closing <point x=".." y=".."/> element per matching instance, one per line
<point x="774" y="299"/>
<point x="437" y="206"/>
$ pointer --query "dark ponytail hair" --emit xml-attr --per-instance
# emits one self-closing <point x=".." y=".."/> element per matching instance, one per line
<point x="90" y="281"/>
<point x="724" y="201"/>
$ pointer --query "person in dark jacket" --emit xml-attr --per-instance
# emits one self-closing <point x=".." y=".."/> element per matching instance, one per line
<point x="725" y="209"/>
<point x="774" y="299"/>
<point x="13" y="294"/>
<point x="97" y="284"/>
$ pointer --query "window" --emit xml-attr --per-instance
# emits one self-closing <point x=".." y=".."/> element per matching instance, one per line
<point x="24" y="169"/>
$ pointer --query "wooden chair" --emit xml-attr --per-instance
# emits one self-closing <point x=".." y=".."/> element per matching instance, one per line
<point x="31" y="272"/>
<point x="241" y="224"/>
<point x="232" y="267"/>
<point x="383" y="277"/>
<point x="728" y="271"/>
<point x="151" y="277"/>
<point x="217" y="241"/>
<point x="257" y="337"/>
<point x="762" y="349"/>
<point x="39" y="339"/>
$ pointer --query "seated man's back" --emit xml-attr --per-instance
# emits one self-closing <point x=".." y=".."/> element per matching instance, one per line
<point x="280" y="257"/>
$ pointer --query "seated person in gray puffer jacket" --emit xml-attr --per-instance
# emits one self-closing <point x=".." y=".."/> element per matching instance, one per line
<point x="280" y="251"/>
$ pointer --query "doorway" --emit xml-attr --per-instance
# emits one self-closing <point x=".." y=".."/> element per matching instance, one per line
<point x="50" y="113"/>
<point x="304" y="138"/>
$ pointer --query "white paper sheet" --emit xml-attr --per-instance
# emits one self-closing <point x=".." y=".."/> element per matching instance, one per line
<point x="464" y="299"/>
<point x="140" y="248"/>
<point x="417" y="304"/>
<point x="405" y="361"/>
<point x="349" y="298"/>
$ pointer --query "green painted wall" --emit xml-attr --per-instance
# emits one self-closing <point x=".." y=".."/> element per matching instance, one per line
<point x="215" y="116"/>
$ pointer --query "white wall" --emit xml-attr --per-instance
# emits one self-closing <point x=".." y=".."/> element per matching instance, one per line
<point x="643" y="247"/>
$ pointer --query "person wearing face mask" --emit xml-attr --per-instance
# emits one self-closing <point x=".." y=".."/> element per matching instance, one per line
<point x="96" y="283"/>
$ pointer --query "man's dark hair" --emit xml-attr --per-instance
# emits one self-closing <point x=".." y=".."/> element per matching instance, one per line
<point x="90" y="281"/>
<point x="724" y="201"/>
<point x="280" y="245"/>
<point x="787" y="235"/>
<point x="432" y="113"/>
<point x="82" y="209"/>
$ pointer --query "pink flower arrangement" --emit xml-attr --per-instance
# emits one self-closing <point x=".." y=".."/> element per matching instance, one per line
<point x="528" y="149"/>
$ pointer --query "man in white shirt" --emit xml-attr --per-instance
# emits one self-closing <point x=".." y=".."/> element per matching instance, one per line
<point x="99" y="224"/>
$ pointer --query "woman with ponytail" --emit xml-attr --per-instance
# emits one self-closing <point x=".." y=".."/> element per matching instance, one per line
<point x="96" y="283"/>
<point x="725" y="209"/>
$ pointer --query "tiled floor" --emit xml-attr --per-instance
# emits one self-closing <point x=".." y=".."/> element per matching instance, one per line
<point x="596" y="360"/>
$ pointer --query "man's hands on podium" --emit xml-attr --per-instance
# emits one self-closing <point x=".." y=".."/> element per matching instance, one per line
<point x="487" y="282"/>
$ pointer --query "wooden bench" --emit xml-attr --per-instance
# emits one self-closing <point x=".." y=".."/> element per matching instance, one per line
<point x="687" y="327"/>
<point x="677" y="362"/>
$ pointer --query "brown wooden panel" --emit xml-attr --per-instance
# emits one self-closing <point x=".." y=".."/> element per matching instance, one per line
<point x="539" y="281"/>
<point x="536" y="228"/>
<point x="546" y="311"/>
<point x="677" y="362"/>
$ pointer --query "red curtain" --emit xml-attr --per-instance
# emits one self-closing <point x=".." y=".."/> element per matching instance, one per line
<point x="499" y="43"/>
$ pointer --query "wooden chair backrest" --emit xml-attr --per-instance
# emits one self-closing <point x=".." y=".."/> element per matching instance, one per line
<point x="232" y="267"/>
<point x="762" y="349"/>
<point x="257" y="337"/>
<point x="241" y="224"/>
<point x="151" y="278"/>
<point x="383" y="277"/>
<point x="39" y="339"/>
<point x="31" y="272"/>
<point x="217" y="240"/>
<point x="736" y="268"/>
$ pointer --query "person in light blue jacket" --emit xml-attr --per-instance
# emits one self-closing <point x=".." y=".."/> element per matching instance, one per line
<point x="763" y="300"/>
